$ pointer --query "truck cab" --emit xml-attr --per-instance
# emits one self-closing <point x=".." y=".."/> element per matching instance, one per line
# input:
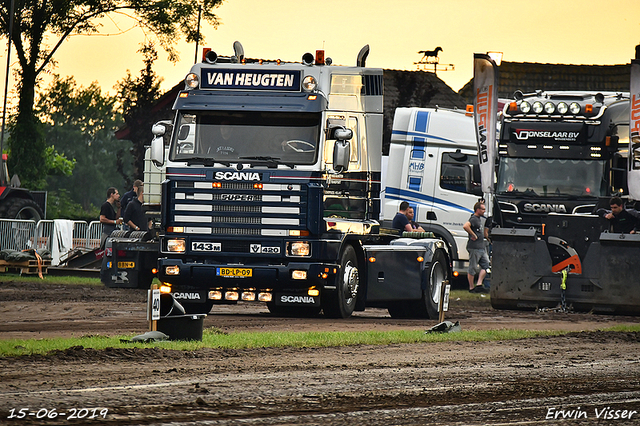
<point x="433" y="165"/>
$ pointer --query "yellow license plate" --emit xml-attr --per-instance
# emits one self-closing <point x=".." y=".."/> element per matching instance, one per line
<point x="234" y="272"/>
<point x="126" y="265"/>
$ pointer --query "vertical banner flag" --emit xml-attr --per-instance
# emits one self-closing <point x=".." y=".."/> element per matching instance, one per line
<point x="633" y="177"/>
<point x="485" y="115"/>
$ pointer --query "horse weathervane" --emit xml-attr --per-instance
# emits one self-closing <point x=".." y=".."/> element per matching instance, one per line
<point x="430" y="57"/>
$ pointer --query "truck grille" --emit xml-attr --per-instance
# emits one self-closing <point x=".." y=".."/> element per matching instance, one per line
<point x="237" y="208"/>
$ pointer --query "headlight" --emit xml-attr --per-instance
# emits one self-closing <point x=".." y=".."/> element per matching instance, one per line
<point x="299" y="248"/>
<point x="309" y="83"/>
<point x="177" y="245"/>
<point x="563" y="108"/>
<point x="549" y="108"/>
<point x="537" y="107"/>
<point x="525" y="107"/>
<point x="192" y="81"/>
<point x="574" y="108"/>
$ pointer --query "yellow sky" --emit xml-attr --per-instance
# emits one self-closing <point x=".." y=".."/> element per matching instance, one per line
<point x="547" y="31"/>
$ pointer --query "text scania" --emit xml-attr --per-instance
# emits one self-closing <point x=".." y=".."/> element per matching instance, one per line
<point x="237" y="176"/>
<point x="187" y="296"/>
<point x="545" y="208"/>
<point x="297" y="299"/>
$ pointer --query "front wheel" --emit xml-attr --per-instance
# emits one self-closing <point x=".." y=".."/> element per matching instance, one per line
<point x="438" y="274"/>
<point x="342" y="303"/>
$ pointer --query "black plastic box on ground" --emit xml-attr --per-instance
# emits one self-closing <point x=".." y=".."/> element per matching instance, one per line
<point x="182" y="327"/>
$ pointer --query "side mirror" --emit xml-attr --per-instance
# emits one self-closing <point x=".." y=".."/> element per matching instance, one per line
<point x="341" y="155"/>
<point x="339" y="133"/>
<point x="157" y="145"/>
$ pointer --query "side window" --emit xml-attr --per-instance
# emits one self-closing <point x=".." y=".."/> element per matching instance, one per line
<point x="460" y="173"/>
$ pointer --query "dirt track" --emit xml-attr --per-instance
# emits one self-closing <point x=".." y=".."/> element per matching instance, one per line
<point x="527" y="381"/>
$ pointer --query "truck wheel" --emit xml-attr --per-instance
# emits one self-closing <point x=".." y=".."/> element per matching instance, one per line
<point x="342" y="303"/>
<point x="438" y="274"/>
<point x="21" y="208"/>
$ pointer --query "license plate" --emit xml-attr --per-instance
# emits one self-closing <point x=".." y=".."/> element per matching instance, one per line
<point x="234" y="272"/>
<point x="126" y="265"/>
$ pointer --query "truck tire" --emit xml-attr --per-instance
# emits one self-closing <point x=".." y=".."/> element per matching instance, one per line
<point x="437" y="275"/>
<point x="342" y="303"/>
<point x="20" y="208"/>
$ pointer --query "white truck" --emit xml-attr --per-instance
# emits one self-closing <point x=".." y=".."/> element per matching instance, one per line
<point x="433" y="165"/>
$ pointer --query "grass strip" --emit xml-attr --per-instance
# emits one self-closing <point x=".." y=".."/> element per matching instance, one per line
<point x="213" y="338"/>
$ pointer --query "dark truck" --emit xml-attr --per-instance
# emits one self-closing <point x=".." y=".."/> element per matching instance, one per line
<point x="561" y="157"/>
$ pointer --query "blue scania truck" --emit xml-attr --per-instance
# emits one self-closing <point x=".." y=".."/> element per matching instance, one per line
<point x="272" y="193"/>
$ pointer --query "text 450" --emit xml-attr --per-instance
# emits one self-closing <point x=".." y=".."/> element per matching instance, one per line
<point x="71" y="413"/>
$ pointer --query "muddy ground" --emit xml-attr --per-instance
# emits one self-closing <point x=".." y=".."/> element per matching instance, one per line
<point x="586" y="377"/>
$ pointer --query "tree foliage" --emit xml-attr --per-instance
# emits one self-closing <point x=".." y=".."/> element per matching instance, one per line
<point x="81" y="123"/>
<point x="138" y="96"/>
<point x="40" y="27"/>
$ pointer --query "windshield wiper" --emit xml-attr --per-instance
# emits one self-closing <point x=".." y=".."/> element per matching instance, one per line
<point x="270" y="161"/>
<point x="206" y="161"/>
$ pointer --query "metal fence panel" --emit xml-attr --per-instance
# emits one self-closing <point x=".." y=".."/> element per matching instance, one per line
<point x="17" y="234"/>
<point x="44" y="232"/>
<point x="80" y="238"/>
<point x="93" y="234"/>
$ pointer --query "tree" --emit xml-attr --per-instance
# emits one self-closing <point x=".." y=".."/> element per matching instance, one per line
<point x="36" y="21"/>
<point x="81" y="123"/>
<point x="138" y="97"/>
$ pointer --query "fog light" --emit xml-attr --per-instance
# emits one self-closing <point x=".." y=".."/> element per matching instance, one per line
<point x="264" y="297"/>
<point x="420" y="259"/>
<point x="248" y="296"/>
<point x="215" y="295"/>
<point x="299" y="275"/>
<point x="172" y="270"/>
<point x="231" y="295"/>
<point x="313" y="292"/>
<point x="165" y="289"/>
<point x="456" y="273"/>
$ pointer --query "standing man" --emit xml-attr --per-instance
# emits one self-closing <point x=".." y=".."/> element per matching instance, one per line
<point x="130" y="195"/>
<point x="477" y="231"/>
<point x="134" y="216"/>
<point x="400" y="221"/>
<point x="109" y="212"/>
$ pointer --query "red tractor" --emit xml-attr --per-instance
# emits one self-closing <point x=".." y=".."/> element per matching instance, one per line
<point x="19" y="203"/>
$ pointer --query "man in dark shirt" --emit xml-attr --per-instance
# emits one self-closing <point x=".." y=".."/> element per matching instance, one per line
<point x="130" y="195"/>
<point x="109" y="212"/>
<point x="134" y="216"/>
<point x="621" y="221"/>
<point x="400" y="221"/>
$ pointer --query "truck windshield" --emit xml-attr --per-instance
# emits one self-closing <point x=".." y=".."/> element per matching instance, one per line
<point x="216" y="136"/>
<point x="551" y="177"/>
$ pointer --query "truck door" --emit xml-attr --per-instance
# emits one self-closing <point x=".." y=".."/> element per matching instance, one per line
<point x="456" y="191"/>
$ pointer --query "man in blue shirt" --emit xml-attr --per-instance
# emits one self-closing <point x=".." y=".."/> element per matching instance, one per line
<point x="400" y="221"/>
